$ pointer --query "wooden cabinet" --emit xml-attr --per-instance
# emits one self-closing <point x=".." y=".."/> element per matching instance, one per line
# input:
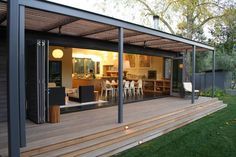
<point x="158" y="86"/>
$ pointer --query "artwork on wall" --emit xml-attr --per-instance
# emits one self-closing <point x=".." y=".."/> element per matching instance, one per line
<point x="131" y="59"/>
<point x="144" y="61"/>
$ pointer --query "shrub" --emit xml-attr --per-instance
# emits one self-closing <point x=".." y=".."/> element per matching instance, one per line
<point x="218" y="93"/>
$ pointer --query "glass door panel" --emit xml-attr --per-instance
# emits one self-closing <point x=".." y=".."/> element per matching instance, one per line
<point x="177" y="76"/>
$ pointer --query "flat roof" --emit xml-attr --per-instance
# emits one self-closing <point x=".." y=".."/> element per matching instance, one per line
<point x="51" y="17"/>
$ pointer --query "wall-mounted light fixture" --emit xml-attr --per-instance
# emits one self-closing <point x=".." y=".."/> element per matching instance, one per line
<point x="57" y="53"/>
<point x="181" y="66"/>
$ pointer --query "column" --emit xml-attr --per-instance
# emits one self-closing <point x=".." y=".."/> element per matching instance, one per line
<point x="120" y="76"/>
<point x="13" y="82"/>
<point x="193" y="73"/>
<point x="213" y="73"/>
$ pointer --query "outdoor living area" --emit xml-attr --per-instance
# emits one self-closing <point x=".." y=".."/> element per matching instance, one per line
<point x="66" y="59"/>
<point x="96" y="132"/>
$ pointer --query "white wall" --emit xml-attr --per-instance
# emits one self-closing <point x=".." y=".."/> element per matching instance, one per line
<point x="66" y="64"/>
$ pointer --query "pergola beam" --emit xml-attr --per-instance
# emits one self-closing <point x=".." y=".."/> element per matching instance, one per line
<point x="133" y="41"/>
<point x="64" y="22"/>
<point x="178" y="48"/>
<point x="159" y="43"/>
<point x="171" y="45"/>
<point x="126" y="35"/>
<point x="106" y="29"/>
<point x="168" y="44"/>
<point x="143" y="40"/>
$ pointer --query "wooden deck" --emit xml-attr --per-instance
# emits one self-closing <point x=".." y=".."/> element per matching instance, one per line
<point x="56" y="139"/>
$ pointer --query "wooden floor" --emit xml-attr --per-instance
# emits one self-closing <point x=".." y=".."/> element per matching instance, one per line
<point x="85" y="123"/>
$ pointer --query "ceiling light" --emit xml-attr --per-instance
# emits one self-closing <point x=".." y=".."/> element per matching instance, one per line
<point x="57" y="53"/>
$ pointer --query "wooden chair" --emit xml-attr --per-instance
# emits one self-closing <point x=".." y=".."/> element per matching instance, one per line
<point x="188" y="89"/>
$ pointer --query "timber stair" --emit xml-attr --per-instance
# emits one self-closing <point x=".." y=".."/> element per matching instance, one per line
<point x="115" y="140"/>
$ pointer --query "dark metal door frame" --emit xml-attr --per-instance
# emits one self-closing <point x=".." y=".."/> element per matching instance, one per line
<point x="174" y="93"/>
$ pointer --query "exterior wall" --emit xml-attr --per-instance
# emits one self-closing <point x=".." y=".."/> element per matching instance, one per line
<point x="66" y="65"/>
<point x="3" y="80"/>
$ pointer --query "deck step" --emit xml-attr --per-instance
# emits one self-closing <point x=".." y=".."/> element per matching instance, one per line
<point x="114" y="140"/>
<point x="118" y="135"/>
<point x="124" y="145"/>
<point x="100" y="134"/>
<point x="101" y="147"/>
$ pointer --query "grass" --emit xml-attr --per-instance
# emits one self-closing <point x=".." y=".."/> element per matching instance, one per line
<point x="211" y="136"/>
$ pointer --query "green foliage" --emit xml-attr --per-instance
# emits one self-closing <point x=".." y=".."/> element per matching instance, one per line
<point x="204" y="62"/>
<point x="195" y="14"/>
<point x="224" y="37"/>
<point x="219" y="93"/>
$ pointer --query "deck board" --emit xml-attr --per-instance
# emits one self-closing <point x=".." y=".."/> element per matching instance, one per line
<point x="78" y="124"/>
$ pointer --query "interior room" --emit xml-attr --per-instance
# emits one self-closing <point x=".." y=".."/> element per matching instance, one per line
<point x="145" y="77"/>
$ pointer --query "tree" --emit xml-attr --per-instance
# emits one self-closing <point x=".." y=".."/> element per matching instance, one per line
<point x="191" y="15"/>
<point x="196" y="13"/>
<point x="224" y="37"/>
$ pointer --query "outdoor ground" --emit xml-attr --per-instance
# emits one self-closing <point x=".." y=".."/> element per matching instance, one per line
<point x="211" y="136"/>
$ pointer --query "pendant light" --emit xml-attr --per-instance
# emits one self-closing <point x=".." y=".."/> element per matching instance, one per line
<point x="57" y="53"/>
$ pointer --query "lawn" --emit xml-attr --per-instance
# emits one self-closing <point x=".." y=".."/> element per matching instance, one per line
<point x="211" y="136"/>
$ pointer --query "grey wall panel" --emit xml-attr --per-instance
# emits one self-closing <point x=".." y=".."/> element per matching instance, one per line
<point x="222" y="80"/>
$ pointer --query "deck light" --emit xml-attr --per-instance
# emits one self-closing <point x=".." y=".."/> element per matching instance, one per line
<point x="140" y="142"/>
<point x="57" y="53"/>
<point x="126" y="127"/>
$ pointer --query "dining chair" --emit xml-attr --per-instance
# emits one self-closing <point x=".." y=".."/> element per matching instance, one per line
<point x="132" y="88"/>
<point x="106" y="86"/>
<point x="126" y="88"/>
<point x="139" y="87"/>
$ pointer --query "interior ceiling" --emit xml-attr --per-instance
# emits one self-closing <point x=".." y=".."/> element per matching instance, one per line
<point x="50" y="22"/>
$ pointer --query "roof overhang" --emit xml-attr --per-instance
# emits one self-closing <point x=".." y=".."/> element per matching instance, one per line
<point x="55" y="18"/>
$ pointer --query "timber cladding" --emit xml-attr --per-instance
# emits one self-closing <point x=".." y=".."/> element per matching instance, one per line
<point x="3" y="80"/>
